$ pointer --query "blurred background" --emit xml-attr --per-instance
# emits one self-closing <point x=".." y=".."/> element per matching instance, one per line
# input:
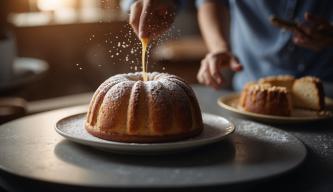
<point x="56" y="48"/>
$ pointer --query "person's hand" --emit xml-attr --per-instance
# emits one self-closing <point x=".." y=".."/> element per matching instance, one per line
<point x="150" y="18"/>
<point x="316" y="33"/>
<point x="210" y="69"/>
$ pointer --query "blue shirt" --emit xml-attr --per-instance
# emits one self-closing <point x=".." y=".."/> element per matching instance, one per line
<point x="266" y="50"/>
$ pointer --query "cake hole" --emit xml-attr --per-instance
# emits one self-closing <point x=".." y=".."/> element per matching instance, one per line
<point x="138" y="77"/>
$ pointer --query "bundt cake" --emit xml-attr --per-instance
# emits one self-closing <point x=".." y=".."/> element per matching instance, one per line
<point x="308" y="93"/>
<point x="286" y="81"/>
<point x="127" y="109"/>
<point x="279" y="95"/>
<point x="266" y="99"/>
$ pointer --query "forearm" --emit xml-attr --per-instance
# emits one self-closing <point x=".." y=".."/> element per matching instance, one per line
<point x="214" y="25"/>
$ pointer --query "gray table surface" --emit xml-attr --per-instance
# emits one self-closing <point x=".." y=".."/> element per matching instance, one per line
<point x="315" y="174"/>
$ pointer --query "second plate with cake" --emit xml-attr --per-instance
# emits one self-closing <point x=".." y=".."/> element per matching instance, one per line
<point x="230" y="103"/>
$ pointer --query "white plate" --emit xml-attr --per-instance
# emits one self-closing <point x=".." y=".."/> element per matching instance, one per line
<point x="230" y="103"/>
<point x="216" y="128"/>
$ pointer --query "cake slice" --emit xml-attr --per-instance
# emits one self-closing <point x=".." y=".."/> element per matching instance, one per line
<point x="286" y="81"/>
<point x="308" y="93"/>
<point x="266" y="99"/>
<point x="247" y="86"/>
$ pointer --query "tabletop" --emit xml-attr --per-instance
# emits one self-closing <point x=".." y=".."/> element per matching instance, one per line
<point x="315" y="174"/>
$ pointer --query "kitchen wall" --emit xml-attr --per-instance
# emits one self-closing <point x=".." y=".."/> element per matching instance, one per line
<point x="82" y="54"/>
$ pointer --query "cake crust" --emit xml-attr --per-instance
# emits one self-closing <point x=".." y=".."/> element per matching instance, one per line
<point x="286" y="81"/>
<point x="266" y="99"/>
<point x="125" y="108"/>
<point x="279" y="95"/>
<point x="142" y="138"/>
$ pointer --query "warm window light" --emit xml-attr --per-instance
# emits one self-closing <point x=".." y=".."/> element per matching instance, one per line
<point x="48" y="5"/>
<point x="52" y="5"/>
<point x="67" y="12"/>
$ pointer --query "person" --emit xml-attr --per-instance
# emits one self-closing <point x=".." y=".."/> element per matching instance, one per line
<point x="240" y="35"/>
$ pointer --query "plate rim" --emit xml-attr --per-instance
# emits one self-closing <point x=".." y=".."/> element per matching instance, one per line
<point x="221" y="101"/>
<point x="146" y="147"/>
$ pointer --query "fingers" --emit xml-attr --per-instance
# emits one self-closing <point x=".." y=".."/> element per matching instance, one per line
<point x="156" y="18"/>
<point x="318" y="25"/>
<point x="214" y="69"/>
<point x="302" y="40"/>
<point x="151" y="18"/>
<point x="135" y="14"/>
<point x="307" y="37"/>
<point x="315" y="19"/>
<point x="235" y="64"/>
<point x="210" y="69"/>
<point x="298" y="39"/>
<point x="316" y="30"/>
<point x="230" y="60"/>
<point x="314" y="33"/>
<point x="204" y="75"/>
<point x="305" y="42"/>
<point x="145" y="22"/>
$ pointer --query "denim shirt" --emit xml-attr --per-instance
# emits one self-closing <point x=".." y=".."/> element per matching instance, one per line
<point x="266" y="50"/>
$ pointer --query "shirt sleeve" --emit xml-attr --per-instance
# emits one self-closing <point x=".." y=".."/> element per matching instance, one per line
<point x="125" y="5"/>
<point x="198" y="3"/>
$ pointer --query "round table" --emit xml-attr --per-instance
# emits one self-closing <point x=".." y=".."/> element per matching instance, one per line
<point x="70" y="160"/>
